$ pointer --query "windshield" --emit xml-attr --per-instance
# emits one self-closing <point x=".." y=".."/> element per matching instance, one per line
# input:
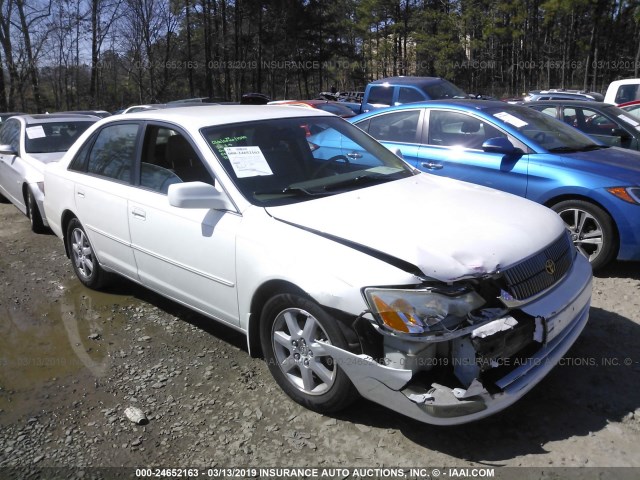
<point x="443" y="89"/>
<point x="54" y="136"/>
<point x="624" y="116"/>
<point x="543" y="130"/>
<point x="287" y="160"/>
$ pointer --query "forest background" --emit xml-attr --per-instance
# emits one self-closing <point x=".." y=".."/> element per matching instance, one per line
<point x="107" y="54"/>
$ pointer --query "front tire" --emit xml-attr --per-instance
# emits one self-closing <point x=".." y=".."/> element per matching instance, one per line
<point x="292" y="329"/>
<point x="85" y="263"/>
<point x="591" y="228"/>
<point x="37" y="225"/>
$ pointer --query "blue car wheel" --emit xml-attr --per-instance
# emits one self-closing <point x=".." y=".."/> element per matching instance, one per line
<point x="591" y="230"/>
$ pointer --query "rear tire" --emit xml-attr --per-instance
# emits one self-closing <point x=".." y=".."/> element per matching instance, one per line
<point x="592" y="230"/>
<point x="290" y="329"/>
<point x="37" y="225"/>
<point x="85" y="263"/>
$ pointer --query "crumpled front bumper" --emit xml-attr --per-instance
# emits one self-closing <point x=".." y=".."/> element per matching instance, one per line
<point x="564" y="310"/>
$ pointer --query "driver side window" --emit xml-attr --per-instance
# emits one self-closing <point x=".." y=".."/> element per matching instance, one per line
<point x="395" y="127"/>
<point x="168" y="158"/>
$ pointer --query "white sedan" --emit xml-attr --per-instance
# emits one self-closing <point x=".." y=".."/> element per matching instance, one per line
<point x="349" y="271"/>
<point x="27" y="143"/>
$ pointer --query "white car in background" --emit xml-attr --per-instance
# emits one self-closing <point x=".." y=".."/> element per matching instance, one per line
<point x="27" y="143"/>
<point x="349" y="273"/>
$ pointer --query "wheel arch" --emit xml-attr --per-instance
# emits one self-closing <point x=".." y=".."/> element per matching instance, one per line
<point x="574" y="196"/>
<point x="25" y="193"/>
<point x="260" y="298"/>
<point x="273" y="287"/>
<point x="67" y="216"/>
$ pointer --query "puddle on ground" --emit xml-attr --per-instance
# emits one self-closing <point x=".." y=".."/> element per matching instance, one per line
<point x="67" y="337"/>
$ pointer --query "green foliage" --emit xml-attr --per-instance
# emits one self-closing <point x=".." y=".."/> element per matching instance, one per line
<point x="161" y="50"/>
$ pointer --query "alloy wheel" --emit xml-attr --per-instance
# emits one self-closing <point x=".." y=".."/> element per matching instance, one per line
<point x="301" y="357"/>
<point x="586" y="232"/>
<point x="82" y="253"/>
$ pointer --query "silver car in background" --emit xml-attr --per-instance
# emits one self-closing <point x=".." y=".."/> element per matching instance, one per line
<point x="27" y="143"/>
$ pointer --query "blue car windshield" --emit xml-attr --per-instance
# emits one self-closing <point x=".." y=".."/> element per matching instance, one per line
<point x="287" y="160"/>
<point x="543" y="130"/>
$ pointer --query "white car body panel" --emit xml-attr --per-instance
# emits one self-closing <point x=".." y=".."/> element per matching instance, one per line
<point x="28" y="169"/>
<point x="451" y="250"/>
<point x="104" y="206"/>
<point x="402" y="233"/>
<point x="185" y="268"/>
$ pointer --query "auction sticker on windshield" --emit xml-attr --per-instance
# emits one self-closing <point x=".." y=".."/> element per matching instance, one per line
<point x="35" y="132"/>
<point x="248" y="161"/>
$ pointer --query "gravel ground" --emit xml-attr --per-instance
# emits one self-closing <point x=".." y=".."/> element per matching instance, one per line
<point x="72" y="360"/>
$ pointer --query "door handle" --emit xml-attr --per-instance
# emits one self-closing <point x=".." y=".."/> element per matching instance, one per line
<point x="80" y="193"/>
<point x="432" y="165"/>
<point x="141" y="214"/>
<point x="354" y="155"/>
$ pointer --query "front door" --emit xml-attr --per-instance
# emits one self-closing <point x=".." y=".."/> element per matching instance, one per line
<point x="183" y="253"/>
<point x="453" y="148"/>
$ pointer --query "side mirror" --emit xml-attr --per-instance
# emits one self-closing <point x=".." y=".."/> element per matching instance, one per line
<point x="198" y="195"/>
<point x="619" y="132"/>
<point x="500" y="145"/>
<point x="7" y="149"/>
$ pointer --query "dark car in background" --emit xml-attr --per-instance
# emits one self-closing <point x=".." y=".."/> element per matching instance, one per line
<point x="606" y="123"/>
<point x="594" y="188"/>
<point x="562" y="94"/>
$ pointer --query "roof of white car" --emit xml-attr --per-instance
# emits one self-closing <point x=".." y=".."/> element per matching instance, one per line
<point x="220" y="114"/>
<point x="626" y="81"/>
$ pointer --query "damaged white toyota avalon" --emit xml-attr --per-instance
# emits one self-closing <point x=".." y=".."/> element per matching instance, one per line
<point x="349" y="271"/>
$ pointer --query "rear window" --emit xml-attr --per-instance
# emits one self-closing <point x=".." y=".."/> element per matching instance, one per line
<point x="380" y="95"/>
<point x="53" y="137"/>
<point x="627" y="93"/>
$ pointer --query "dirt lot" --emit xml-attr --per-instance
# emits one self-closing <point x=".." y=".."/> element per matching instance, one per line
<point x="72" y="360"/>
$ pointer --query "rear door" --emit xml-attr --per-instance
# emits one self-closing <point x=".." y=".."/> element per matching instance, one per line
<point x="101" y="188"/>
<point x="399" y="130"/>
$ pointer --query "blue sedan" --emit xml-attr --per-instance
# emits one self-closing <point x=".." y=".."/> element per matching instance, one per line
<point x="593" y="187"/>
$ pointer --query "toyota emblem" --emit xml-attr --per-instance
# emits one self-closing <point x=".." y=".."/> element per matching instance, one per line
<point x="550" y="267"/>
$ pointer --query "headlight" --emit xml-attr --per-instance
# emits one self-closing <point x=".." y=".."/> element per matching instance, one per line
<point x="421" y="311"/>
<point x="628" y="194"/>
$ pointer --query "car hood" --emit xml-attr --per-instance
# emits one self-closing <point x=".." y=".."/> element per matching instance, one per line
<point x="619" y="163"/>
<point x="448" y="229"/>
<point x="39" y="160"/>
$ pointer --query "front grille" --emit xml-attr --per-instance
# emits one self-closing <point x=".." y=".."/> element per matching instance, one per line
<point x="537" y="273"/>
